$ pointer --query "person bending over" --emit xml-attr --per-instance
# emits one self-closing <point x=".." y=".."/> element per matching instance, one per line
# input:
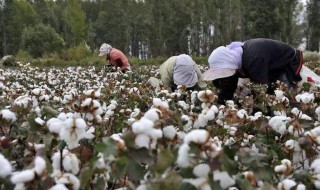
<point x="263" y="61"/>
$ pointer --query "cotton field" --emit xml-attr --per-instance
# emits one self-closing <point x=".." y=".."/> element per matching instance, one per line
<point x="88" y="128"/>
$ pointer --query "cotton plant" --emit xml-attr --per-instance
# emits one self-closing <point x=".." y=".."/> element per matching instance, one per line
<point x="207" y="97"/>
<point x="288" y="184"/>
<point x="246" y="140"/>
<point x="91" y="110"/>
<point x="146" y="134"/>
<point x="314" y="135"/>
<point x="201" y="172"/>
<point x="20" y="178"/>
<point x="306" y="100"/>
<point x="38" y="95"/>
<point x="279" y="123"/>
<point x="23" y="102"/>
<point x="8" y="116"/>
<point x="299" y="156"/>
<point x="285" y="168"/>
<point x="70" y="163"/>
<point x="110" y="110"/>
<point x="209" y="148"/>
<point x="73" y="130"/>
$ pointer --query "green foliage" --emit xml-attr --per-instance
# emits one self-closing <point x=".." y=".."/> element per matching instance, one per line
<point x="78" y="53"/>
<point x="41" y="39"/>
<point x="74" y="21"/>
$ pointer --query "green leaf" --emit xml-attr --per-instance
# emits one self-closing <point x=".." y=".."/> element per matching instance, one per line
<point x="108" y="146"/>
<point x="34" y="126"/>
<point x="49" y="112"/>
<point x="100" y="185"/>
<point x="165" y="159"/>
<point x="135" y="170"/>
<point x="140" y="155"/>
<point x="47" y="140"/>
<point x="62" y="144"/>
<point x="85" y="176"/>
<point x="187" y="186"/>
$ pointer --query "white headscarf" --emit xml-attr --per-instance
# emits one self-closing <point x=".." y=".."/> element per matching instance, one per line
<point x="184" y="72"/>
<point x="229" y="57"/>
<point x="105" y="49"/>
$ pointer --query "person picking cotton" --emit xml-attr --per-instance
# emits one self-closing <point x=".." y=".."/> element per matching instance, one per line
<point x="263" y="61"/>
<point x="181" y="70"/>
<point x="115" y="57"/>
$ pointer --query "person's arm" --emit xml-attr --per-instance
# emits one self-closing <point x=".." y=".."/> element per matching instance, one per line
<point x="201" y="82"/>
<point x="226" y="86"/>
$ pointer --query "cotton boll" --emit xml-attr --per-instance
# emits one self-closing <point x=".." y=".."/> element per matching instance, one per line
<point x="278" y="123"/>
<point x="315" y="166"/>
<point x="198" y="136"/>
<point x="181" y="135"/>
<point x="6" y="168"/>
<point x="256" y="116"/>
<point x="318" y="112"/>
<point x="158" y="103"/>
<point x="80" y="124"/>
<point x="305" y="97"/>
<point x="242" y="114"/>
<point x="135" y="113"/>
<point x="301" y="187"/>
<point x="280" y="168"/>
<point x="89" y="134"/>
<point x="290" y="144"/>
<point x="39" y="165"/>
<point x="62" y="116"/>
<point x="210" y="115"/>
<point x="144" y="125"/>
<point x="68" y="178"/>
<point x="20" y="186"/>
<point x="59" y="187"/>
<point x="142" y="140"/>
<point x="183" y="159"/>
<point x="70" y="163"/>
<point x="142" y="187"/>
<point x="201" y="121"/>
<point x="156" y="134"/>
<point x="8" y="115"/>
<point x="153" y="114"/>
<point x="201" y="170"/>
<point x="36" y="91"/>
<point x="39" y="121"/>
<point x="169" y="132"/>
<point x="286" y="184"/>
<point x="23" y="176"/>
<point x="279" y="94"/>
<point x="54" y="125"/>
<point x="206" y="96"/>
<point x="232" y="131"/>
<point x="184" y="105"/>
<point x="199" y="183"/>
<point x="224" y="179"/>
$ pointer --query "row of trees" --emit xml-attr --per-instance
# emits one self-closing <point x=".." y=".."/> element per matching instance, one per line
<point x="152" y="28"/>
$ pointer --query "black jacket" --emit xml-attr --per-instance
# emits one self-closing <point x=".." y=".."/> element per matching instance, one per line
<point x="265" y="60"/>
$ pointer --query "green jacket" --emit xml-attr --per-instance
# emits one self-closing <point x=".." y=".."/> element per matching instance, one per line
<point x="166" y="73"/>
